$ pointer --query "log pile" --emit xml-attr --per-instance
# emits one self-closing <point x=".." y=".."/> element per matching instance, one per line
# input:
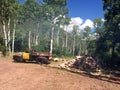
<point x="67" y="64"/>
<point x="85" y="63"/>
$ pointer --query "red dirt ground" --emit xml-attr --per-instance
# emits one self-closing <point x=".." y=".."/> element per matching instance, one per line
<point x="31" y="76"/>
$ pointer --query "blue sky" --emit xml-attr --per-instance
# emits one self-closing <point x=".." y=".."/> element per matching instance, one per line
<point x="86" y="9"/>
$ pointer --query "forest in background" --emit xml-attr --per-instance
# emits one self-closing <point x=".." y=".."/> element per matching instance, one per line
<point x="42" y="26"/>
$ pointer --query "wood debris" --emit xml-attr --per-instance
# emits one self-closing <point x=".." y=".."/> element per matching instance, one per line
<point x="85" y="63"/>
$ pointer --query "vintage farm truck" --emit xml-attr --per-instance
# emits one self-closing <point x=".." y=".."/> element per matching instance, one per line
<point x="41" y="57"/>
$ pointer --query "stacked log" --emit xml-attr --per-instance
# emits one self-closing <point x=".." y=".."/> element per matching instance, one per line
<point x="67" y="64"/>
<point x="55" y="59"/>
<point x="85" y="63"/>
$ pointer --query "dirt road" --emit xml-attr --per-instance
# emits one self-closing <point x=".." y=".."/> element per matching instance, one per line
<point x="31" y="76"/>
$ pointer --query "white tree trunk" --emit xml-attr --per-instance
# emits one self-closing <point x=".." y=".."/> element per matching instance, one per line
<point x="63" y="44"/>
<point x="74" y="46"/>
<point x="66" y="37"/>
<point x="5" y="34"/>
<point x="13" y="36"/>
<point x="51" y="41"/>
<point x="37" y="34"/>
<point x="80" y="50"/>
<point x="86" y="52"/>
<point x="29" y="40"/>
<point x="36" y="40"/>
<point x="58" y="37"/>
<point x="8" y="35"/>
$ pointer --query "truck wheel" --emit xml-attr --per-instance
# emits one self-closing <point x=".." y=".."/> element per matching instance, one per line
<point x="18" y="59"/>
<point x="43" y="60"/>
<point x="38" y="60"/>
<point x="23" y="61"/>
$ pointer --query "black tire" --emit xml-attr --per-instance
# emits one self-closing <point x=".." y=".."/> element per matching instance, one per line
<point x="17" y="59"/>
<point x="38" y="61"/>
<point x="43" y="60"/>
<point x="24" y="61"/>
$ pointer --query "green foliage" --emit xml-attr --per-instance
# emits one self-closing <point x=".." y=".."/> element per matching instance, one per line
<point x="91" y="47"/>
<point x="108" y="42"/>
<point x="3" y="49"/>
<point x="1" y="40"/>
<point x="54" y="8"/>
<point x="113" y="30"/>
<point x="41" y="48"/>
<point x="18" y="45"/>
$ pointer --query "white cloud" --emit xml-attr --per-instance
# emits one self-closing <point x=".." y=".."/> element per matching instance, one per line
<point x="88" y="23"/>
<point x="76" y="21"/>
<point x="80" y="22"/>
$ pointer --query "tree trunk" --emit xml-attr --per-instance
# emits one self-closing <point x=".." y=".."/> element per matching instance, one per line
<point x="66" y="41"/>
<point x="112" y="52"/>
<point x="51" y="41"/>
<point x="36" y="40"/>
<point x="13" y="36"/>
<point x="63" y="44"/>
<point x="66" y="38"/>
<point x="58" y="37"/>
<point x="86" y="51"/>
<point x="29" y="39"/>
<point x="8" y="35"/>
<point x="74" y="46"/>
<point x="5" y="35"/>
<point x="80" y="50"/>
<point x="37" y="34"/>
